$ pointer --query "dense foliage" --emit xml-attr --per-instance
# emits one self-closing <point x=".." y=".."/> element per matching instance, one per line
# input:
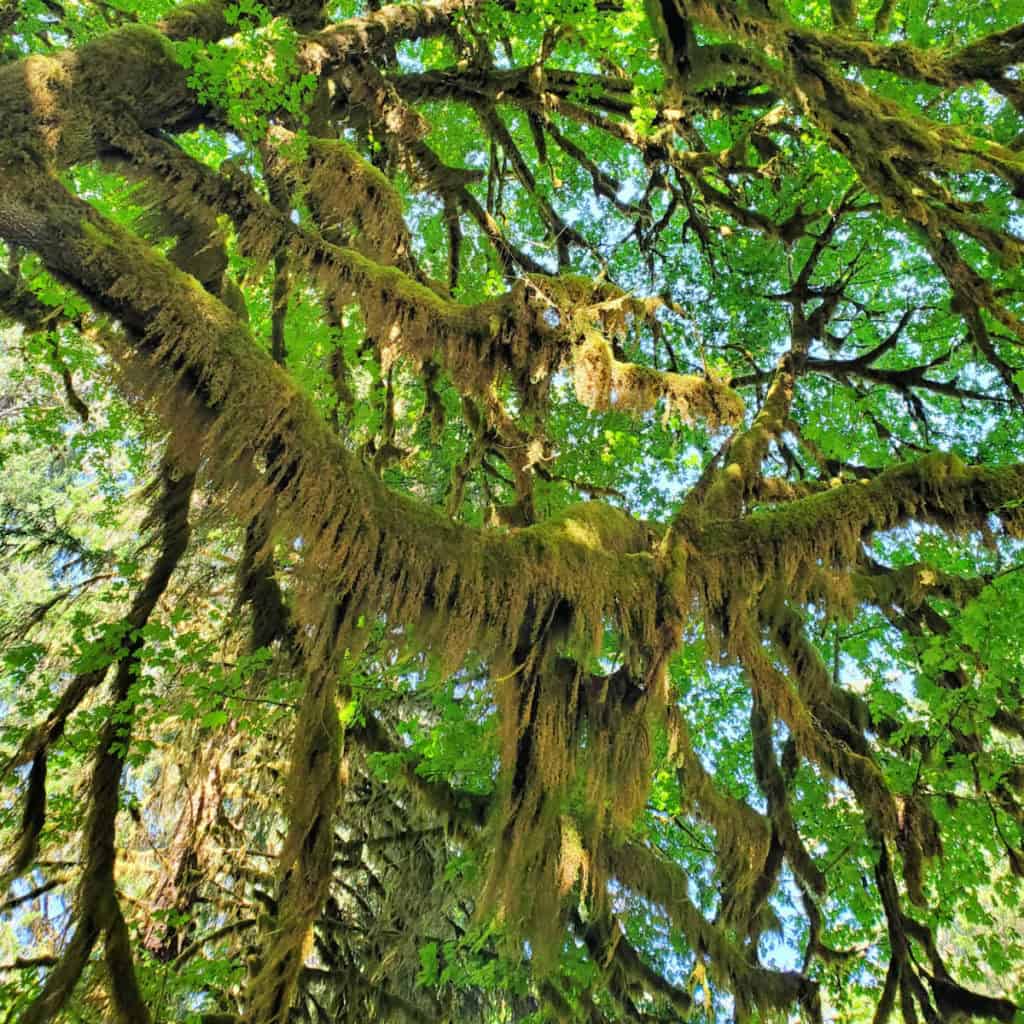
<point x="510" y="510"/>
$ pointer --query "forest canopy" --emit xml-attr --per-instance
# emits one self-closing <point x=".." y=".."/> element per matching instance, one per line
<point x="511" y="510"/>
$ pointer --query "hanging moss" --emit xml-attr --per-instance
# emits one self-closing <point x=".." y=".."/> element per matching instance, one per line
<point x="534" y="603"/>
<point x="755" y="988"/>
<point x="349" y="193"/>
<point x="908" y="161"/>
<point x="511" y="336"/>
<point x="576" y="759"/>
<point x="367" y="552"/>
<point x="742" y="835"/>
<point x="305" y="865"/>
<point x="791" y="542"/>
<point x="604" y="382"/>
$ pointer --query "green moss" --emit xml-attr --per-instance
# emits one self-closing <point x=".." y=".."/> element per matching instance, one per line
<point x="131" y="73"/>
<point x="202" y="21"/>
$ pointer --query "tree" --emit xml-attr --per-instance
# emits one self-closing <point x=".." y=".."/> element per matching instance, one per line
<point x="511" y="511"/>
